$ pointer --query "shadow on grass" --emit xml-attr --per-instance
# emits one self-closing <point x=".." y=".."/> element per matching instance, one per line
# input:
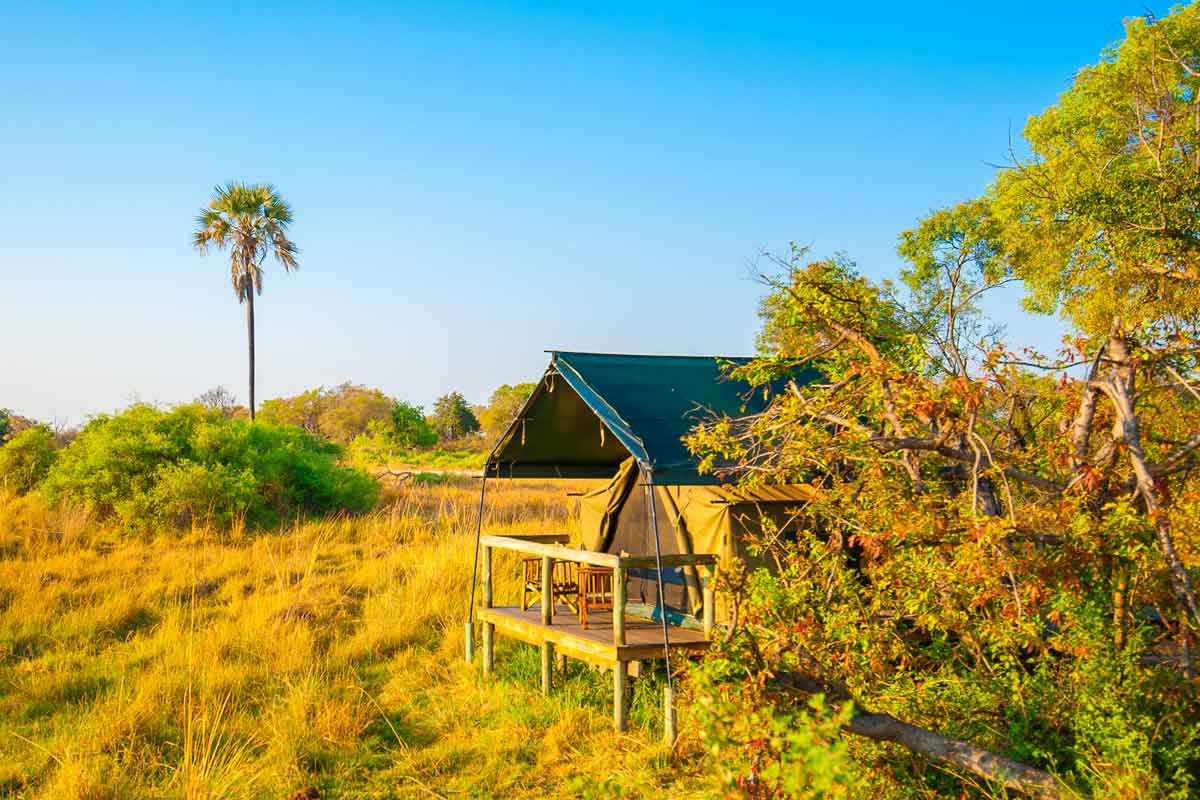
<point x="580" y="685"/>
<point x="68" y="695"/>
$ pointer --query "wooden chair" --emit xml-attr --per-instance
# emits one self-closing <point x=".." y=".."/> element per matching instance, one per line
<point x="564" y="584"/>
<point x="595" y="591"/>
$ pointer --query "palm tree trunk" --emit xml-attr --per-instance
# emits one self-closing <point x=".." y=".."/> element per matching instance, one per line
<point x="250" y="337"/>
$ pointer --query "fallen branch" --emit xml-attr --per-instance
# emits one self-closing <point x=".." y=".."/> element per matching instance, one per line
<point x="937" y="747"/>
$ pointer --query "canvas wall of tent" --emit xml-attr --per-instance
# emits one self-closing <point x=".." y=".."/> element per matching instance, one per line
<point x="623" y="418"/>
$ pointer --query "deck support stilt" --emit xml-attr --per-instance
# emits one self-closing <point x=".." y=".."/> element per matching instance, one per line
<point x="669" y="732"/>
<point x="620" y="704"/>
<point x="620" y="576"/>
<point x="469" y="641"/>
<point x="488" y="627"/>
<point x="709" y="609"/>
<point x="488" y="647"/>
<point x="547" y="666"/>
<point x="547" y="590"/>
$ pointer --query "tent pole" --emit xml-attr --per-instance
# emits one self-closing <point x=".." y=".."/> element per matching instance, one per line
<point x="469" y="644"/>
<point x="662" y="596"/>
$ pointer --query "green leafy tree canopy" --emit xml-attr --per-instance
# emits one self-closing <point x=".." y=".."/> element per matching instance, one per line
<point x="1101" y="221"/>
<point x="502" y="408"/>
<point x="452" y="417"/>
<point x="26" y="458"/>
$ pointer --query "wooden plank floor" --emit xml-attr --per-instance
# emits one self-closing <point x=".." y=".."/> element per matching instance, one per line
<point x="643" y="637"/>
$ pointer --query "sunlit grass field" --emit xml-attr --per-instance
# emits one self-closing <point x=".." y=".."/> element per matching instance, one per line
<point x="328" y="655"/>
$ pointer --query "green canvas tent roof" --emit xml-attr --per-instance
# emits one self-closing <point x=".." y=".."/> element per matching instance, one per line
<point x="591" y="411"/>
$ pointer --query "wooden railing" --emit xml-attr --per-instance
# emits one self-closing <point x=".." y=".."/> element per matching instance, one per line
<point x="550" y="548"/>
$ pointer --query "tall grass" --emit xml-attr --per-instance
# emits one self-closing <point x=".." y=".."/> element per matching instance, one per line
<point x="214" y="664"/>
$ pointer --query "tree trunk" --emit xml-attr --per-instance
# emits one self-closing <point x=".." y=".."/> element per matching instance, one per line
<point x="250" y="338"/>
<point x="1120" y="390"/>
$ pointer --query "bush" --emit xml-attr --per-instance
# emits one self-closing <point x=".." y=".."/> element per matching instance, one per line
<point x="192" y="465"/>
<point x="26" y="458"/>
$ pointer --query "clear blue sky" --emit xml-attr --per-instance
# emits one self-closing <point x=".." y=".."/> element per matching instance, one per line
<point x="475" y="183"/>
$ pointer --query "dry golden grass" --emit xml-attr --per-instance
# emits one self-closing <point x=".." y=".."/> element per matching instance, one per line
<point x="231" y="665"/>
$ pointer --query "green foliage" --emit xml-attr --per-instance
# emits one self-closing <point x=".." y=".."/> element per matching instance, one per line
<point x="973" y="559"/>
<point x="1101" y="221"/>
<point x="503" y="407"/>
<point x="252" y="221"/>
<point x="452" y="417"/>
<point x="458" y="460"/>
<point x="403" y="430"/>
<point x="11" y="424"/>
<point x="763" y="748"/>
<point x="351" y="409"/>
<point x="191" y="465"/>
<point x="339" y="414"/>
<point x="406" y="427"/>
<point x="26" y="458"/>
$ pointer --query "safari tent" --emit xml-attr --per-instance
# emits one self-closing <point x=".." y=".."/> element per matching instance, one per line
<point x="623" y="418"/>
<point x="652" y="531"/>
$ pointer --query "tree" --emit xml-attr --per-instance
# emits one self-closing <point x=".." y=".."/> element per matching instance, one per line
<point x="1101" y="219"/>
<point x="252" y="221"/>
<point x="990" y="529"/>
<point x="219" y="399"/>
<point x="303" y="410"/>
<point x="26" y="458"/>
<point x="12" y="424"/>
<point x="503" y="407"/>
<point x="350" y="409"/>
<point x="1101" y="224"/>
<point x="338" y="414"/>
<point x="406" y="427"/>
<point x="452" y="417"/>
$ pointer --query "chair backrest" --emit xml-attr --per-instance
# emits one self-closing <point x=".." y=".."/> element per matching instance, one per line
<point x="564" y="572"/>
<point x="597" y="582"/>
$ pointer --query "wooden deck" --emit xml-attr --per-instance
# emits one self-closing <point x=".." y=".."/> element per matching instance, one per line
<point x="616" y="640"/>
<point x="643" y="637"/>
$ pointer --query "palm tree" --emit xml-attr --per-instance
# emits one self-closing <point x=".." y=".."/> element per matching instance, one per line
<point x="252" y="221"/>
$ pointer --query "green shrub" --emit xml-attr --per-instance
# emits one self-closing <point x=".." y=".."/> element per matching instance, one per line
<point x="26" y="458"/>
<point x="192" y="465"/>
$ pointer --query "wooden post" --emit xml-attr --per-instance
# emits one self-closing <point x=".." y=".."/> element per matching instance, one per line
<point x="488" y="647"/>
<point x="619" y="600"/>
<point x="469" y="641"/>
<point x="487" y="577"/>
<point x="547" y="666"/>
<point x="669" y="716"/>
<point x="709" y="608"/>
<point x="547" y="593"/>
<point x="620" y="706"/>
